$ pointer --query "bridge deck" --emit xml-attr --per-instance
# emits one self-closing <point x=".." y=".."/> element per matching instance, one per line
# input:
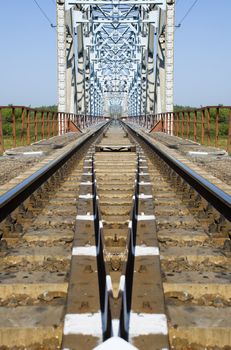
<point x="147" y="221"/>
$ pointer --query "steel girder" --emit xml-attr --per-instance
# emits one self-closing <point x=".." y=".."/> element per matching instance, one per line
<point x="115" y="57"/>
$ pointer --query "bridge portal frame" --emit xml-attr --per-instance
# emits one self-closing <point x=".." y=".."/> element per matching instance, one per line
<point x="149" y="84"/>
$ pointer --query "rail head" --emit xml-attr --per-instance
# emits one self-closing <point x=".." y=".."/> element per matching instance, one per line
<point x="219" y="199"/>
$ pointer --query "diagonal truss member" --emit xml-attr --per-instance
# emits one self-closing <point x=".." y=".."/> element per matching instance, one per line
<point x="115" y="57"/>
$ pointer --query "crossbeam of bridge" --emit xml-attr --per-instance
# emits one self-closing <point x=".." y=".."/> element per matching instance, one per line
<point x="115" y="57"/>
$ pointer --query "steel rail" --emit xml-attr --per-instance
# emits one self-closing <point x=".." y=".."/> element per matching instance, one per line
<point x="220" y="200"/>
<point x="126" y="285"/>
<point x="10" y="200"/>
<point x="105" y="291"/>
<point x="120" y="310"/>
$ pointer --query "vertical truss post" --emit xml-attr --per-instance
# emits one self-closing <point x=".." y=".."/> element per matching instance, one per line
<point x="70" y="65"/>
<point x="80" y="69"/>
<point x="61" y="58"/>
<point x="159" y="94"/>
<point x="150" y="69"/>
<point x="115" y="57"/>
<point x="169" y="74"/>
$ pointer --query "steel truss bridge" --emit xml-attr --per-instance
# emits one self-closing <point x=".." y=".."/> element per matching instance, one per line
<point x="115" y="57"/>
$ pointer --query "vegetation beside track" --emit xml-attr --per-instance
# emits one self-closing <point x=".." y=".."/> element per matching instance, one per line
<point x="206" y="125"/>
<point x="39" y="118"/>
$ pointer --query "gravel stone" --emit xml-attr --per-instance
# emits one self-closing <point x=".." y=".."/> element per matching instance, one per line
<point x="217" y="162"/>
<point x="15" y="164"/>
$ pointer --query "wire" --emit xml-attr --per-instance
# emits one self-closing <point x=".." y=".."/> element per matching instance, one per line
<point x="44" y="14"/>
<point x="187" y="13"/>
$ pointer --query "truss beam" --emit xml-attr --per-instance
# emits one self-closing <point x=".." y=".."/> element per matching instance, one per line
<point x="115" y="57"/>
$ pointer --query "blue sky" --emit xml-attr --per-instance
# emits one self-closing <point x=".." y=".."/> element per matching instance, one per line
<point x="203" y="53"/>
<point x="28" y="53"/>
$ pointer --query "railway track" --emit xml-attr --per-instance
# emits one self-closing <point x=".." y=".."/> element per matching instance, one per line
<point x="35" y="250"/>
<point x="115" y="243"/>
<point x="194" y="241"/>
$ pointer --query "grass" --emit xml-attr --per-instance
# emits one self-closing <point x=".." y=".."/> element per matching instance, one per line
<point x="39" y="132"/>
<point x="36" y="124"/>
<point x="219" y="117"/>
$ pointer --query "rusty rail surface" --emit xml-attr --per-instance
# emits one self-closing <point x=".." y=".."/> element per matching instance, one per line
<point x="210" y="125"/>
<point x="20" y="125"/>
